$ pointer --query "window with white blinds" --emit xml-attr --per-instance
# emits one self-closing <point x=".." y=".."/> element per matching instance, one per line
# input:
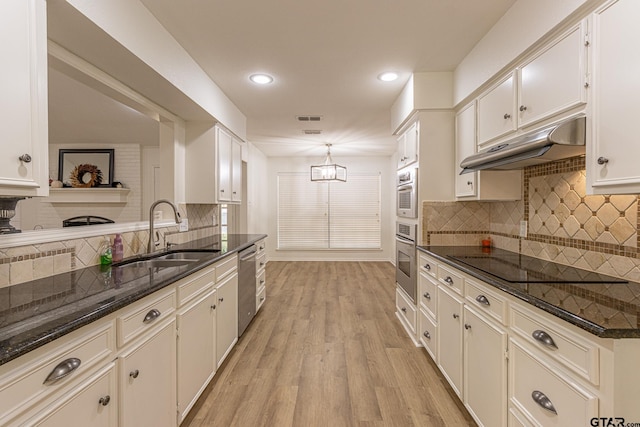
<point x="335" y="215"/>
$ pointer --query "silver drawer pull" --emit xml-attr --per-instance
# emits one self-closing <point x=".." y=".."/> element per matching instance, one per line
<point x="104" y="401"/>
<point x="467" y="326"/>
<point x="134" y="374"/>
<point x="544" y="338"/>
<point x="261" y="299"/>
<point x="483" y="300"/>
<point x="541" y="399"/>
<point x="427" y="296"/>
<point x="427" y="267"/>
<point x="63" y="369"/>
<point x="427" y="335"/>
<point x="455" y="316"/>
<point x="449" y="280"/>
<point x="151" y="316"/>
<point x="404" y="309"/>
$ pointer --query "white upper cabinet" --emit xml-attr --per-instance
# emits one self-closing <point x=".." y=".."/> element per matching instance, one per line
<point x="408" y="146"/>
<point x="614" y="149"/>
<point x="465" y="147"/>
<point x="555" y="79"/>
<point x="550" y="85"/>
<point x="23" y="104"/>
<point x="497" y="111"/>
<point x="214" y="156"/>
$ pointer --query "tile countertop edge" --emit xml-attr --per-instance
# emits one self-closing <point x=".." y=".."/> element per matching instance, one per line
<point x="82" y="319"/>
<point x="572" y="318"/>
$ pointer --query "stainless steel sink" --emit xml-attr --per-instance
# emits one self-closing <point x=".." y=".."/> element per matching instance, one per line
<point x="173" y="259"/>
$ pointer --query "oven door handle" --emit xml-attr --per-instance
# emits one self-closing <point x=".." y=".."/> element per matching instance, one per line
<point x="404" y="187"/>
<point x="405" y="240"/>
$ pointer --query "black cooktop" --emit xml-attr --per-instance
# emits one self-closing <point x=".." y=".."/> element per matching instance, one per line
<point x="517" y="268"/>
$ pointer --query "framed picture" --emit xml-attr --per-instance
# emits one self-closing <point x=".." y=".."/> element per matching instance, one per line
<point x="85" y="168"/>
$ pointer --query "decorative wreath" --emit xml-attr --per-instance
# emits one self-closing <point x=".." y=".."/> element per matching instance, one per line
<point x="85" y="176"/>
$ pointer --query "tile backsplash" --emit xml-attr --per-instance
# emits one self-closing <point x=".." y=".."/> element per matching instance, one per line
<point x="598" y="233"/>
<point x="24" y="263"/>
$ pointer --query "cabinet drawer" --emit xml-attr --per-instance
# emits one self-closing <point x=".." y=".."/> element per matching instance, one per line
<point x="191" y="287"/>
<point x="574" y="352"/>
<point x="451" y="279"/>
<point x="428" y="265"/>
<point x="260" y="280"/>
<point x="143" y="316"/>
<point x="427" y="334"/>
<point x="261" y="246"/>
<point x="427" y="294"/>
<point x="226" y="267"/>
<point x="488" y="302"/>
<point x="406" y="310"/>
<point x="260" y="298"/>
<point x="534" y="384"/>
<point x="261" y="261"/>
<point x="26" y="384"/>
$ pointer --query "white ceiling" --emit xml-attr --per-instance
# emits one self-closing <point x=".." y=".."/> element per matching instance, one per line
<point x="325" y="57"/>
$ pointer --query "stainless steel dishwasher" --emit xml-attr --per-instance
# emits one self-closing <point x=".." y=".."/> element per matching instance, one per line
<point x="246" y="287"/>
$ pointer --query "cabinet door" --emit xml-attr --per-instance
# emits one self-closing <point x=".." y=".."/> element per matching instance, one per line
<point x="224" y="142"/>
<point x="226" y="317"/>
<point x="23" y="104"/>
<point x="93" y="402"/>
<point x="485" y="370"/>
<point x="450" y="338"/>
<point x="553" y="81"/>
<point x="496" y="111"/>
<point x="147" y="380"/>
<point x="612" y="161"/>
<point x="236" y="171"/>
<point x="408" y="146"/>
<point x="465" y="147"/>
<point x="196" y="350"/>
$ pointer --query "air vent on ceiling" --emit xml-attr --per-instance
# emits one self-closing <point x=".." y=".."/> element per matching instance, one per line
<point x="309" y="118"/>
<point x="312" y="132"/>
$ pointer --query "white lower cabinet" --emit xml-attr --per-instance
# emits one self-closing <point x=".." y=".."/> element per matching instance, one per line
<point x="91" y="403"/>
<point x="450" y="338"/>
<point x="196" y="357"/>
<point x="227" y="317"/>
<point x="147" y="380"/>
<point x="485" y="369"/>
<point x="544" y="392"/>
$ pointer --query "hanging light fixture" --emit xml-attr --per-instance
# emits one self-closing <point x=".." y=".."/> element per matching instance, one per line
<point x="328" y="171"/>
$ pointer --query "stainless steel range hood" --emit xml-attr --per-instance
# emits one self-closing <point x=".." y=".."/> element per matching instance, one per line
<point x="554" y="142"/>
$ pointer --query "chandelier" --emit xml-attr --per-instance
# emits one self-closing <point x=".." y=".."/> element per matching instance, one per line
<point x="328" y="171"/>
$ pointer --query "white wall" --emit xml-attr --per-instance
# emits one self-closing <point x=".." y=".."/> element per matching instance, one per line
<point x="523" y="24"/>
<point x="380" y="164"/>
<point x="257" y="190"/>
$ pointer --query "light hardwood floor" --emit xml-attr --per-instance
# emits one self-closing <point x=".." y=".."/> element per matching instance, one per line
<point x="326" y="349"/>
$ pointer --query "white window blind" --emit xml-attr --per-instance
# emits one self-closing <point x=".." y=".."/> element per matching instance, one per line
<point x="336" y="215"/>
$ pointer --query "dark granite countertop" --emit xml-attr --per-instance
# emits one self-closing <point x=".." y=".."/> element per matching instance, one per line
<point x="37" y="312"/>
<point x="608" y="310"/>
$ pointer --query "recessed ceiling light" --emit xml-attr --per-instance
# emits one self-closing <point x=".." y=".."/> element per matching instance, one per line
<point x="389" y="76"/>
<point x="261" y="79"/>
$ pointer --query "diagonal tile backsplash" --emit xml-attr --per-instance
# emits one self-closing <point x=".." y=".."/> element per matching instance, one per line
<point x="565" y="225"/>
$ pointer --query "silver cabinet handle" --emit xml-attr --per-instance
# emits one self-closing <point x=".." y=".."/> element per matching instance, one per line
<point x="25" y="158"/>
<point x="523" y="108"/>
<point x="427" y="335"/>
<point x="404" y="309"/>
<point x="467" y="326"/>
<point x="602" y="160"/>
<point x="134" y="374"/>
<point x="62" y="369"/>
<point x="213" y="307"/>
<point x="151" y="316"/>
<point x="104" y="401"/>
<point x="427" y="267"/>
<point x="455" y="316"/>
<point x="261" y="264"/>
<point x="247" y="256"/>
<point x="541" y="399"/>
<point x="220" y="299"/>
<point x="469" y="183"/>
<point x="427" y="296"/>
<point x="449" y="280"/>
<point x="483" y="300"/>
<point x="507" y="116"/>
<point x="262" y="282"/>
<point x="261" y="299"/>
<point x="544" y="338"/>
